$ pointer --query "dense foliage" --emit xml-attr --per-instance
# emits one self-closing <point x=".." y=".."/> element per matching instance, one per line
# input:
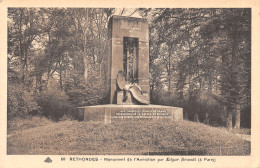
<point x="55" y="59"/>
<point x="200" y="59"/>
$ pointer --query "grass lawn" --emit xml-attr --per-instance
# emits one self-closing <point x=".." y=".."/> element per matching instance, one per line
<point x="126" y="137"/>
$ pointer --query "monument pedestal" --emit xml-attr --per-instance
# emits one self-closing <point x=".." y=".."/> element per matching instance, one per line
<point x="113" y="112"/>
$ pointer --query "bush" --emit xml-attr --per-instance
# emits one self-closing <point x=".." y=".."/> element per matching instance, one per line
<point x="54" y="104"/>
<point x="164" y="98"/>
<point x="207" y="106"/>
<point x="87" y="92"/>
<point x="20" y="102"/>
<point x="198" y="106"/>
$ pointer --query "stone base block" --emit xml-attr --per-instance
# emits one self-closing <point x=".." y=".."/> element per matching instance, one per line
<point x="113" y="112"/>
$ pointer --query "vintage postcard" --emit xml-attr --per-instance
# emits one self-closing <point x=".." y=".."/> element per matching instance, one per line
<point x="130" y="84"/>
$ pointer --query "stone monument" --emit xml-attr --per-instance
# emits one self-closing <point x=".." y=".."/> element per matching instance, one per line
<point x="129" y="54"/>
<point x="127" y="84"/>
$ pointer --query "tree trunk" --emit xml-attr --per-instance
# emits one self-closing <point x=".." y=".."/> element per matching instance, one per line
<point x="26" y="65"/>
<point x="229" y="119"/>
<point x="61" y="78"/>
<point x="168" y="67"/>
<point x="206" y="121"/>
<point x="186" y="116"/>
<point x="85" y="67"/>
<point x="60" y="82"/>
<point x="236" y="114"/>
<point x="196" y="117"/>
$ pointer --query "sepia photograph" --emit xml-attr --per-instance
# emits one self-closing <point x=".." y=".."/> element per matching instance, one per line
<point x="100" y="84"/>
<point x="101" y="81"/>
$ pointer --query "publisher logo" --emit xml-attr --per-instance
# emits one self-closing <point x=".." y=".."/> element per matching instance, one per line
<point x="48" y="160"/>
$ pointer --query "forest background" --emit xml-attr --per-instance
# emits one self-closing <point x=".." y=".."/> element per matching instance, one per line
<point x="200" y="60"/>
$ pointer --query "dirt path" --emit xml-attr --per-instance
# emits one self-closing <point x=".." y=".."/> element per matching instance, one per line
<point x="245" y="137"/>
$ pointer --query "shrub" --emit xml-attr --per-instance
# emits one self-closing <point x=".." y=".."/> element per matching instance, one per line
<point x="87" y="92"/>
<point x="207" y="106"/>
<point x="20" y="102"/>
<point x="200" y="106"/>
<point x="54" y="103"/>
<point x="164" y="98"/>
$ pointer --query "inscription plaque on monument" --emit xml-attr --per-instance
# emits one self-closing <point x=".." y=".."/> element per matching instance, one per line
<point x="114" y="112"/>
<point x="142" y="114"/>
<point x="127" y="84"/>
